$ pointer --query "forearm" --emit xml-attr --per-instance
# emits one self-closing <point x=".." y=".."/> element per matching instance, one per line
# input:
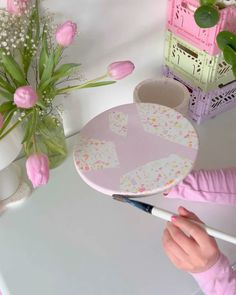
<point x="220" y="279"/>
<point x="218" y="186"/>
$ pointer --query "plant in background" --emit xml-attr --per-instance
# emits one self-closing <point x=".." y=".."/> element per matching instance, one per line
<point x="206" y="16"/>
<point x="32" y="75"/>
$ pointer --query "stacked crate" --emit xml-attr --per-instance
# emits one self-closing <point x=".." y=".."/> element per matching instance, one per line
<point x="193" y="58"/>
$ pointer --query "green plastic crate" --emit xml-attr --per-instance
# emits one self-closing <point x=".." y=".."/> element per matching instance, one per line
<point x="195" y="66"/>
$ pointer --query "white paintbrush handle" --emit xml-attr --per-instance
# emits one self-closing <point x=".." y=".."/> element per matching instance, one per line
<point x="166" y="215"/>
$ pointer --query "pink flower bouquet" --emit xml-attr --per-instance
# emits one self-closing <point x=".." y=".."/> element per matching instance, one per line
<point x="31" y="75"/>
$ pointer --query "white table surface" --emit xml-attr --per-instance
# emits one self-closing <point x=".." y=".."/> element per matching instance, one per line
<point x="67" y="238"/>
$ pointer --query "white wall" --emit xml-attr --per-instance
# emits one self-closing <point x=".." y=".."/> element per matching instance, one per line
<point x="111" y="30"/>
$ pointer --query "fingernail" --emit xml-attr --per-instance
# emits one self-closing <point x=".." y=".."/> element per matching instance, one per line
<point x="173" y="218"/>
<point x="184" y="209"/>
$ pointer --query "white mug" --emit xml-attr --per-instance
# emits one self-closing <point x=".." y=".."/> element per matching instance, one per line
<point x="163" y="91"/>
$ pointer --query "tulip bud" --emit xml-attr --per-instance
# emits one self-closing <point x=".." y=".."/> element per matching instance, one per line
<point x="17" y="7"/>
<point x="25" y="97"/>
<point x="66" y="33"/>
<point x="1" y="124"/>
<point x="119" y="70"/>
<point x="37" y="167"/>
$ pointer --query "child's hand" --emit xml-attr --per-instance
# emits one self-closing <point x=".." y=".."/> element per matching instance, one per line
<point x="194" y="252"/>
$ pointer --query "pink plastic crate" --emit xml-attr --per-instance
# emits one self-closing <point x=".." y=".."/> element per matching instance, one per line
<point x="206" y="105"/>
<point x="181" y="22"/>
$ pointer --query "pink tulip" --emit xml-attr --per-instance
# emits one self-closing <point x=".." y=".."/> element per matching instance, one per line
<point x="1" y="124"/>
<point x="17" y="7"/>
<point x="66" y="33"/>
<point x="25" y="97"/>
<point x="37" y="167"/>
<point x="120" y="69"/>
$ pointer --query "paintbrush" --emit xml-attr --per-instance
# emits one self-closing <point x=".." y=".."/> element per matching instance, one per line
<point x="166" y="215"/>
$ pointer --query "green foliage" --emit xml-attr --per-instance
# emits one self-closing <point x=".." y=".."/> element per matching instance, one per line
<point x="206" y="16"/>
<point x="85" y="85"/>
<point x="33" y="34"/>
<point x="226" y="38"/>
<point x="7" y="119"/>
<point x="207" y="2"/>
<point x="229" y="55"/>
<point x="234" y="70"/>
<point x="63" y="71"/>
<point x="98" y="84"/>
<point x="12" y="68"/>
<point x="30" y="127"/>
<point x="6" y="107"/>
<point x="40" y="57"/>
<point x="43" y="59"/>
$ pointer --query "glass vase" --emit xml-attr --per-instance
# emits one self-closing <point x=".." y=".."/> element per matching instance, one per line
<point x="50" y="139"/>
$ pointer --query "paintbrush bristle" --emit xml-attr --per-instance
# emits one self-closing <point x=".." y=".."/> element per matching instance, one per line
<point x="120" y="198"/>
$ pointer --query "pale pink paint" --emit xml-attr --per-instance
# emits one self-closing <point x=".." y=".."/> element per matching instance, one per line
<point x="134" y="150"/>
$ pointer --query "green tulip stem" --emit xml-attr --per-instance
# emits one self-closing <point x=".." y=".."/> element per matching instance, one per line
<point x="14" y="126"/>
<point x="70" y="88"/>
<point x="51" y="143"/>
<point x="34" y="144"/>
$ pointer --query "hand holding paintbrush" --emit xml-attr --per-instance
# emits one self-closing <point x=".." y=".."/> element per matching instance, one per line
<point x="166" y="215"/>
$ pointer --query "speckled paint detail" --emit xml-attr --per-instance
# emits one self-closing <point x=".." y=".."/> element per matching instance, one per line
<point x="94" y="154"/>
<point x="162" y="121"/>
<point x="118" y="123"/>
<point x="160" y="173"/>
<point x="136" y="149"/>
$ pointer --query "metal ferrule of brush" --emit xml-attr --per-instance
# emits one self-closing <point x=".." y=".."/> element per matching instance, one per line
<point x="140" y="205"/>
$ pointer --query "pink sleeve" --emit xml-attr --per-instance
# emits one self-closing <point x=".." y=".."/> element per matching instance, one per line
<point x="218" y="280"/>
<point x="217" y="186"/>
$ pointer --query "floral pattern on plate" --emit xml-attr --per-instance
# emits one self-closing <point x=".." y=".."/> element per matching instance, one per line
<point x="118" y="123"/>
<point x="162" y="121"/>
<point x="161" y="173"/>
<point x="94" y="154"/>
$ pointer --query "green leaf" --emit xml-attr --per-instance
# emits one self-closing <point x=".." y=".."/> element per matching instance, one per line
<point x="7" y="120"/>
<point x="226" y="38"/>
<point x="31" y="126"/>
<point x="48" y="70"/>
<point x="13" y="69"/>
<point x="234" y="70"/>
<point x="37" y="20"/>
<point x="6" y="106"/>
<point x="33" y="34"/>
<point x="206" y="16"/>
<point x="5" y="94"/>
<point x="43" y="59"/>
<point x="63" y="71"/>
<point x="98" y="84"/>
<point x="6" y="85"/>
<point x="229" y="55"/>
<point x="41" y="103"/>
<point x="57" y="56"/>
<point x="207" y="2"/>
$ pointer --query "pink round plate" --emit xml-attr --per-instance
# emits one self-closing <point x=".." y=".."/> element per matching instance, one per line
<point x="136" y="150"/>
